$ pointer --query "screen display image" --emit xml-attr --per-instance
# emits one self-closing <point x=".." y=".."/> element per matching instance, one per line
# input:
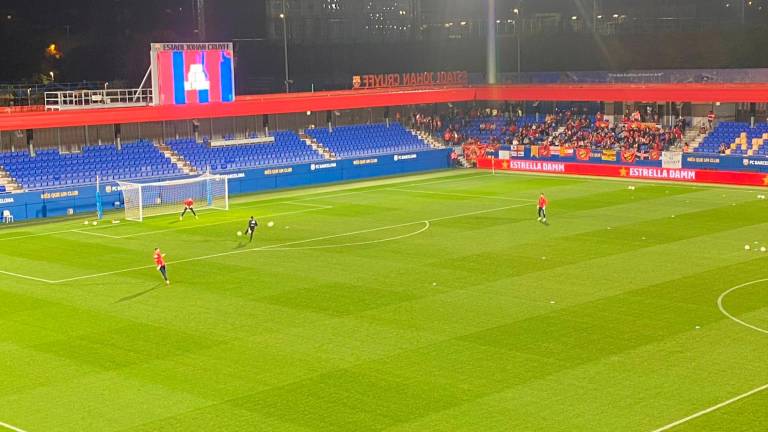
<point x="184" y="76"/>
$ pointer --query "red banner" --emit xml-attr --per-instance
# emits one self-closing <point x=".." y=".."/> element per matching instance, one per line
<point x="474" y="152"/>
<point x="543" y="152"/>
<point x="638" y="125"/>
<point x="628" y="156"/>
<point x="583" y="154"/>
<point x="628" y="172"/>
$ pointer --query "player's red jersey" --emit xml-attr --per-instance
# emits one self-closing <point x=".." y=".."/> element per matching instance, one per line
<point x="189" y="203"/>
<point x="542" y="202"/>
<point x="159" y="260"/>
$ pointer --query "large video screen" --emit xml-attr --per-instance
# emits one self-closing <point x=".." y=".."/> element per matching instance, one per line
<point x="193" y="73"/>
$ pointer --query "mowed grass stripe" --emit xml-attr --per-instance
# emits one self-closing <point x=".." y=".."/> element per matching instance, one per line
<point x="449" y="359"/>
<point x="296" y="340"/>
<point x="569" y="331"/>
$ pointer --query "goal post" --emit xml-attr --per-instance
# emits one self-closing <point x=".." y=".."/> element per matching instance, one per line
<point x="144" y="200"/>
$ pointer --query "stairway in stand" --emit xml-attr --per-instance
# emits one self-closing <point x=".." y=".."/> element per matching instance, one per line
<point x="177" y="159"/>
<point x="694" y="138"/>
<point x="8" y="182"/>
<point x="316" y="146"/>
<point x="428" y="138"/>
<point x="464" y="162"/>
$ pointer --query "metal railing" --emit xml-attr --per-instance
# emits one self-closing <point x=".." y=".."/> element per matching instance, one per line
<point x="90" y="99"/>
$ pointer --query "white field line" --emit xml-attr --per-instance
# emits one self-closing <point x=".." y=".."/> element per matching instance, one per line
<point x="741" y="396"/>
<point x="460" y="195"/>
<point x="319" y="206"/>
<point x="726" y="313"/>
<point x="93" y="233"/>
<point x="712" y="408"/>
<point x="226" y="221"/>
<point x="315" y="207"/>
<point x="280" y="246"/>
<point x="11" y="427"/>
<point x="43" y="234"/>
<point x="450" y="180"/>
<point x="295" y="202"/>
<point x="315" y="198"/>
<point x="427" y="225"/>
<point x="379" y="189"/>
<point x="21" y="276"/>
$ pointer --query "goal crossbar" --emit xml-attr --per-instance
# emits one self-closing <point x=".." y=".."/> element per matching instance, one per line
<point x="144" y="200"/>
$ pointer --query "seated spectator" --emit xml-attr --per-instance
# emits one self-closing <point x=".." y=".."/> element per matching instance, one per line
<point x="454" y="158"/>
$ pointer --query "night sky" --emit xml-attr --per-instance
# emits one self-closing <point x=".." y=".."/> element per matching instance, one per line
<point x="105" y="39"/>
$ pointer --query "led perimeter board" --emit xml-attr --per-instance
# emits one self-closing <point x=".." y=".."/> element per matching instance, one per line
<point x="192" y="73"/>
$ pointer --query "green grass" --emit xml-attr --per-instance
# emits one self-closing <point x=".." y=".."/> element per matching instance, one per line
<point x="425" y="303"/>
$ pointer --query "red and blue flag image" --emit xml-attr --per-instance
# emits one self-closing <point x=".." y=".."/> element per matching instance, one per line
<point x="192" y="77"/>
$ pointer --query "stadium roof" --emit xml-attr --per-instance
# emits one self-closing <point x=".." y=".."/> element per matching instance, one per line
<point x="360" y="99"/>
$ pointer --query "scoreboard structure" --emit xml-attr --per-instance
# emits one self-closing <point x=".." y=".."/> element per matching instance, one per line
<point x="192" y="73"/>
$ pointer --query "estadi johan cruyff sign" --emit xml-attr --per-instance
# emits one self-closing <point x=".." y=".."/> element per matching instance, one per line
<point x="413" y="79"/>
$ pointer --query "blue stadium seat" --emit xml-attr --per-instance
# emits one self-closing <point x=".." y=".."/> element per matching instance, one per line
<point x="368" y="140"/>
<point x="49" y="168"/>
<point x="727" y="133"/>
<point x="288" y="148"/>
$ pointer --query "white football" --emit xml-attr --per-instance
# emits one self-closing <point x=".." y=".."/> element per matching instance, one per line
<point x="271" y="224"/>
<point x="95" y="223"/>
<point x="763" y="249"/>
<point x="239" y="233"/>
<point x="747" y="247"/>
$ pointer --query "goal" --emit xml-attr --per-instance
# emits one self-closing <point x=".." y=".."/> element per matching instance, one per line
<point x="144" y="200"/>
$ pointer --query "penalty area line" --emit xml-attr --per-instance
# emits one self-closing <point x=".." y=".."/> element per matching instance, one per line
<point x="712" y="408"/>
<point x="96" y="234"/>
<point x="11" y="427"/>
<point x="281" y="246"/>
<point x="32" y="278"/>
<point x="223" y="222"/>
<point x="237" y="252"/>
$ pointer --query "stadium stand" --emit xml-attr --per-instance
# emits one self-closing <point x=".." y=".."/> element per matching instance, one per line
<point x="368" y="140"/>
<point x="563" y="128"/>
<point x="287" y="148"/>
<point x="739" y="139"/>
<point x="48" y="168"/>
<point x="489" y="129"/>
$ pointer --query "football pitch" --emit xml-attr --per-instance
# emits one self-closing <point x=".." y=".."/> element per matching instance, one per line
<point x="425" y="303"/>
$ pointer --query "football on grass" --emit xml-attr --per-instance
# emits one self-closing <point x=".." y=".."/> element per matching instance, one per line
<point x="239" y="233"/>
<point x="271" y="224"/>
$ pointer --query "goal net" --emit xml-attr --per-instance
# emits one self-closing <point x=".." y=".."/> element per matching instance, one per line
<point x="144" y="200"/>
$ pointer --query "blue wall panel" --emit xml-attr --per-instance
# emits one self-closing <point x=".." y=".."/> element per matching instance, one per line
<point x="82" y="200"/>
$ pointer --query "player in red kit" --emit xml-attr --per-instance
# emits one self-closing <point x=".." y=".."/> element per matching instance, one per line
<point x="160" y="263"/>
<point x="189" y="205"/>
<point x="543" y="208"/>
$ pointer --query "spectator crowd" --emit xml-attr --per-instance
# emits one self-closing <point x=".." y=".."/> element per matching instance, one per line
<point x="572" y="128"/>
